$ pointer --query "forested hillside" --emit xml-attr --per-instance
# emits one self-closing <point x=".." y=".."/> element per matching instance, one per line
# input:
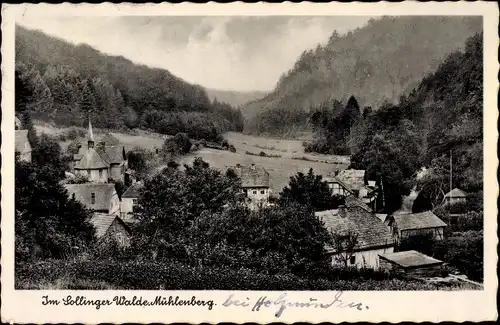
<point x="64" y="83"/>
<point x="376" y="64"/>
<point x="443" y="116"/>
<point x="234" y="98"/>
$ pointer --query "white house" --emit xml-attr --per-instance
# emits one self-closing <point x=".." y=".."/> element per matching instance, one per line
<point x="100" y="198"/>
<point x="254" y="182"/>
<point x="23" y="146"/>
<point x="129" y="201"/>
<point x="373" y="237"/>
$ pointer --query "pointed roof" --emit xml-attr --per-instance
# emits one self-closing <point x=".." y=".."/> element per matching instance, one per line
<point x="133" y="191"/>
<point x="252" y="176"/>
<point x="91" y="160"/>
<point x="456" y="192"/>
<point x="102" y="222"/>
<point x="91" y="134"/>
<point x="371" y="230"/>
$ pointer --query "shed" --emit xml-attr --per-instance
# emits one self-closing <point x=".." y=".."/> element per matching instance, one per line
<point x="111" y="229"/>
<point x="455" y="196"/>
<point x="414" y="224"/>
<point x="411" y="263"/>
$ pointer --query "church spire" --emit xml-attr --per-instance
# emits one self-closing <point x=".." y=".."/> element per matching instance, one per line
<point x="91" y="136"/>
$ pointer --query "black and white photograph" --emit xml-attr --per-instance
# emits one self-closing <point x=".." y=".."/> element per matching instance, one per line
<point x="249" y="153"/>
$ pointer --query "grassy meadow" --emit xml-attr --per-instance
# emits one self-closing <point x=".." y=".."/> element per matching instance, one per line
<point x="292" y="157"/>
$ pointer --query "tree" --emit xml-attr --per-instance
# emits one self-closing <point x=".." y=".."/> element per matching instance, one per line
<point x="344" y="245"/>
<point x="48" y="223"/>
<point x="173" y="198"/>
<point x="309" y="190"/>
<point x="48" y="152"/>
<point x="183" y="143"/>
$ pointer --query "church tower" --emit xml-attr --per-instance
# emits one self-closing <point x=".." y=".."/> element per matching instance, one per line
<point x="91" y="136"/>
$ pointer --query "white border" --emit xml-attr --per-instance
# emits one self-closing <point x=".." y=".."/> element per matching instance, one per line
<point x="25" y="306"/>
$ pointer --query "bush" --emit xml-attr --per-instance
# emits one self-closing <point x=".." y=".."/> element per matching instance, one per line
<point x="174" y="275"/>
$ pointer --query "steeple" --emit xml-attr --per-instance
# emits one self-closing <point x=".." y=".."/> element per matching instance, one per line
<point x="91" y="136"/>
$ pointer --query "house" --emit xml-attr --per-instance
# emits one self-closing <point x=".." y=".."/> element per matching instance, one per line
<point x="352" y="182"/>
<point x="373" y="237"/>
<point x="411" y="263"/>
<point x="23" y="146"/>
<point x="455" y="196"/>
<point x="414" y="224"/>
<point x="254" y="182"/>
<point x="107" y="160"/>
<point x="110" y="229"/>
<point x="129" y="201"/>
<point x="17" y="123"/>
<point x="100" y="198"/>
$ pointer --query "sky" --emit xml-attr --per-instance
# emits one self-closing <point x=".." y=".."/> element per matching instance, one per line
<point x="239" y="53"/>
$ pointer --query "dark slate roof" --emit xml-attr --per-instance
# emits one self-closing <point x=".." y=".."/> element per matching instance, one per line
<point x="132" y="191"/>
<point x="253" y="176"/>
<point x="371" y="231"/>
<point x="420" y="220"/>
<point x="21" y="139"/>
<point x="82" y="192"/>
<point x="456" y="193"/>
<point x="410" y="259"/>
<point x="110" y="140"/>
<point x="114" y="155"/>
<point x="91" y="160"/>
<point x="352" y="201"/>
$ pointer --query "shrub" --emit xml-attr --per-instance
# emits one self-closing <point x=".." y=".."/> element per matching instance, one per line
<point x="173" y="275"/>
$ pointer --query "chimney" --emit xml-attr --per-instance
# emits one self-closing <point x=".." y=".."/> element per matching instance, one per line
<point x="356" y="193"/>
<point x="238" y="165"/>
<point x="253" y="166"/>
<point x="102" y="145"/>
<point x="342" y="211"/>
<point x="336" y="172"/>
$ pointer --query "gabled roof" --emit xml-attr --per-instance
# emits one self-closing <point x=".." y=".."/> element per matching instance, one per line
<point x="352" y="201"/>
<point x="113" y="155"/>
<point x="102" y="222"/>
<point x="410" y="259"/>
<point x="458" y="193"/>
<point x="420" y="220"/>
<point x="83" y="193"/>
<point x="133" y="191"/>
<point x="371" y="231"/>
<point x="253" y="176"/>
<point x="336" y="180"/>
<point x="354" y="178"/>
<point x="21" y="140"/>
<point x="91" y="160"/>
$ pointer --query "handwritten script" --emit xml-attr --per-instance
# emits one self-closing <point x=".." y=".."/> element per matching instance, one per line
<point x="282" y="302"/>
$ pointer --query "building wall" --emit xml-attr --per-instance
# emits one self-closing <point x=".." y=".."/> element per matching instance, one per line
<point x="437" y="233"/>
<point x="257" y="193"/>
<point x="94" y="175"/>
<point x="365" y="258"/>
<point x="127" y="205"/>
<point x="338" y="189"/>
<point x="117" y="172"/>
<point x="454" y="200"/>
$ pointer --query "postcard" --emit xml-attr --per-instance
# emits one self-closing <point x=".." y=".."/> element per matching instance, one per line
<point x="206" y="163"/>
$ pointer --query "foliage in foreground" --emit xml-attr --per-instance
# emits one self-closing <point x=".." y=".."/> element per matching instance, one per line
<point x="172" y="275"/>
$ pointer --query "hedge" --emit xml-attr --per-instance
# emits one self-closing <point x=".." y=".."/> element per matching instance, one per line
<point x="146" y="275"/>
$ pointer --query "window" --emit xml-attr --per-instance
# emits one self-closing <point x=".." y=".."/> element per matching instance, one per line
<point x="262" y="192"/>
<point x="92" y="198"/>
<point x="100" y="173"/>
<point x="134" y="201"/>
<point x="353" y="259"/>
<point x="254" y="192"/>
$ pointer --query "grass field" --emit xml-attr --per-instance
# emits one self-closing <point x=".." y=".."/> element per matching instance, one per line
<point x="280" y="169"/>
